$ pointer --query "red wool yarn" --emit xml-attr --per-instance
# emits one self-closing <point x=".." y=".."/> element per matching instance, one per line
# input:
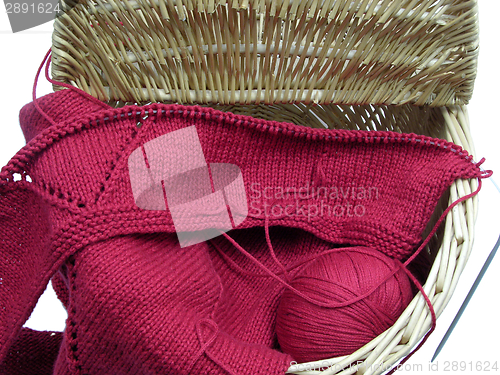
<point x="310" y="332"/>
<point x="77" y="209"/>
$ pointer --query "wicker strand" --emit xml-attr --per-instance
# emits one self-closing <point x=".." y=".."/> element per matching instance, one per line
<point x="240" y="52"/>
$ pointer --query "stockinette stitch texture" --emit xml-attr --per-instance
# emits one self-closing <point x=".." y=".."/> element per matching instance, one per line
<point x="137" y="302"/>
<point x="153" y="293"/>
<point x="150" y="308"/>
<point x="248" y="309"/>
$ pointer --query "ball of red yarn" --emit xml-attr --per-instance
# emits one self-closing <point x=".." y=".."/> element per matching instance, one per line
<point x="310" y="332"/>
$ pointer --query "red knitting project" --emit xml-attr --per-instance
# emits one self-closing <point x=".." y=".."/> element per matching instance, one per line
<point x="137" y="302"/>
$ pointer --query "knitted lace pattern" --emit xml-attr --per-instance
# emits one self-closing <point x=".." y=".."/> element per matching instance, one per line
<point x="137" y="302"/>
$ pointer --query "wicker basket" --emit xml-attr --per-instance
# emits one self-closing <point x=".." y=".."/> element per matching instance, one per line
<point x="401" y="65"/>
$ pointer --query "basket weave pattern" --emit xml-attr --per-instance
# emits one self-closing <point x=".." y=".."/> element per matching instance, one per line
<point x="400" y="65"/>
<point x="344" y="52"/>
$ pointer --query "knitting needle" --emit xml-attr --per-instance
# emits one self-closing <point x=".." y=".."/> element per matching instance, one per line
<point x="471" y="291"/>
<point x="467" y="299"/>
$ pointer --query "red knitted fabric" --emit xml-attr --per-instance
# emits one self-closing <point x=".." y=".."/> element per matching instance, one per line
<point x="137" y="302"/>
<point x="33" y="353"/>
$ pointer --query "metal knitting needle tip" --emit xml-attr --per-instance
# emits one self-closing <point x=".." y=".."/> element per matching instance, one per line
<point x="467" y="299"/>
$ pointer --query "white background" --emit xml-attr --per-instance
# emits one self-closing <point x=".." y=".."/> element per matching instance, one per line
<point x="476" y="337"/>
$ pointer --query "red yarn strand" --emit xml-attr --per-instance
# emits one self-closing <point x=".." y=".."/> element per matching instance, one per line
<point x="359" y="298"/>
<point x="426" y="241"/>
<point x="35" y="100"/>
<point x="305" y="297"/>
<point x="46" y="61"/>
<point x="443" y="216"/>
<point x="271" y="250"/>
<point x="75" y="89"/>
